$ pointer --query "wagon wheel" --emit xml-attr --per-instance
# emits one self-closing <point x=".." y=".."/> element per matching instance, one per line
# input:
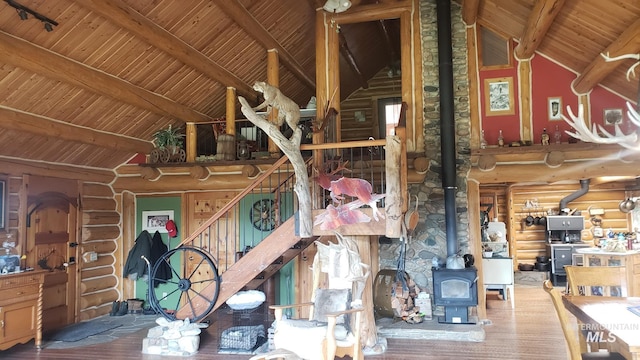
<point x="263" y="215"/>
<point x="165" y="155"/>
<point x="180" y="156"/>
<point x="191" y="270"/>
<point x="154" y="156"/>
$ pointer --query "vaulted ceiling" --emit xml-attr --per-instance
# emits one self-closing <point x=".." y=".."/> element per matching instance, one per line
<point x="92" y="91"/>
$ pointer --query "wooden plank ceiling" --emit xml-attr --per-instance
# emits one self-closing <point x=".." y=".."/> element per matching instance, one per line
<point x="93" y="91"/>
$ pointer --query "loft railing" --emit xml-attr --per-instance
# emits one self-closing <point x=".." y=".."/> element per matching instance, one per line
<point x="269" y="201"/>
<point x="363" y="159"/>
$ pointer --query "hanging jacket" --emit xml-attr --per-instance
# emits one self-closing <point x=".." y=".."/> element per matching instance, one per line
<point x="135" y="266"/>
<point x="163" y="271"/>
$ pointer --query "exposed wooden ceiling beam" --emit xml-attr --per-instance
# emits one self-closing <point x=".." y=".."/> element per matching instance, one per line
<point x="348" y="56"/>
<point x="540" y="19"/>
<point x="470" y="11"/>
<point x="17" y="120"/>
<point x="387" y="40"/>
<point x="627" y="43"/>
<point x="124" y="16"/>
<point x="25" y="55"/>
<point x="241" y="16"/>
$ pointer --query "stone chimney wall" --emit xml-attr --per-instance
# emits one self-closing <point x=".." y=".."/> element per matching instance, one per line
<point x="429" y="237"/>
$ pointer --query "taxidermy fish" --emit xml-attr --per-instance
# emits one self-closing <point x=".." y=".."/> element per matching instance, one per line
<point x="358" y="188"/>
<point x="334" y="217"/>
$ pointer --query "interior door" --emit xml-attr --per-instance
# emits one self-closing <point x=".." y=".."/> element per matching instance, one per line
<point x="51" y="229"/>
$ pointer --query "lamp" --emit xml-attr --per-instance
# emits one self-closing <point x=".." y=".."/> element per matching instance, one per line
<point x="23" y="12"/>
<point x="337" y="6"/>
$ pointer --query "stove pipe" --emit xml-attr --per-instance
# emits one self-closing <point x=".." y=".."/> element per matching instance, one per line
<point x="584" y="188"/>
<point x="447" y="122"/>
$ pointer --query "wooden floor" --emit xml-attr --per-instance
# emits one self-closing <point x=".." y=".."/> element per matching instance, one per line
<point x="531" y="331"/>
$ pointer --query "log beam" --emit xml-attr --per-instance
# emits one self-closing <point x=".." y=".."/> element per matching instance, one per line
<point x="12" y="119"/>
<point x="19" y="167"/>
<point x="242" y="17"/>
<point x="127" y="18"/>
<point x="627" y="43"/>
<point x="540" y="19"/>
<point x="470" y="11"/>
<point x="25" y="55"/>
<point x="540" y="173"/>
<point x="351" y="60"/>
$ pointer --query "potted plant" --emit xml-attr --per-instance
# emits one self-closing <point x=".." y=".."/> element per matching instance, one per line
<point x="169" y="138"/>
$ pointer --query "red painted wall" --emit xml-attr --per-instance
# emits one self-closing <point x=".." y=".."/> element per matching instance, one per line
<point x="509" y="124"/>
<point x="548" y="80"/>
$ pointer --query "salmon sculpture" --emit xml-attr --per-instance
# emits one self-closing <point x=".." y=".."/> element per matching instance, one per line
<point x="343" y="214"/>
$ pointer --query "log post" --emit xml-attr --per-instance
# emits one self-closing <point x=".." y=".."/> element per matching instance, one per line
<point x="192" y="142"/>
<point x="231" y="110"/>
<point x="273" y="78"/>
<point x="393" y="199"/>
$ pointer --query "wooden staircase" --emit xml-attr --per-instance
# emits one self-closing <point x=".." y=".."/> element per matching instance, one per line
<point x="254" y="268"/>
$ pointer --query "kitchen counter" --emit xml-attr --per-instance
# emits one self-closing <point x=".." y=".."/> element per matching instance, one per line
<point x="598" y="251"/>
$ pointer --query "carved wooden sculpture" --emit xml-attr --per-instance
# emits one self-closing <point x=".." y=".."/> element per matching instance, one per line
<point x="291" y="148"/>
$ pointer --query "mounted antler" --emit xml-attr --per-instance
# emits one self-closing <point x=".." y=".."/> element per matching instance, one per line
<point x="583" y="133"/>
<point x="631" y="72"/>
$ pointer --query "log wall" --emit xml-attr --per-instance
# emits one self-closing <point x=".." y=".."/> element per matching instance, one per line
<point x="365" y="100"/>
<point x="100" y="233"/>
<point x="527" y="242"/>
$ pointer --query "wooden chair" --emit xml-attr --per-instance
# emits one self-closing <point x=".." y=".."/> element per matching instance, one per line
<point x="597" y="280"/>
<point x="569" y="334"/>
<point x="334" y="322"/>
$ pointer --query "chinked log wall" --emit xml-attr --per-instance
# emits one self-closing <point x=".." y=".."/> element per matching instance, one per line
<point x="527" y="242"/>
<point x="100" y="233"/>
<point x="380" y="86"/>
<point x="529" y="166"/>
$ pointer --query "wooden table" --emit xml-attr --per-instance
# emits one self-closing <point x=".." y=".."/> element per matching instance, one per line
<point x="610" y="319"/>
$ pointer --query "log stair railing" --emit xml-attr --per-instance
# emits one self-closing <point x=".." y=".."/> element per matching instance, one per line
<point x="257" y="265"/>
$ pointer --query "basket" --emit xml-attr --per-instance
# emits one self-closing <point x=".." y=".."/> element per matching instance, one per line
<point x="242" y="337"/>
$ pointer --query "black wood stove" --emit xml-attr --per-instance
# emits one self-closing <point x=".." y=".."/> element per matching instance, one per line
<point x="456" y="290"/>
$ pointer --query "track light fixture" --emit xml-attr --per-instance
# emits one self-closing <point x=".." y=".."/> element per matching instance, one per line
<point x="23" y="14"/>
<point x="23" y="11"/>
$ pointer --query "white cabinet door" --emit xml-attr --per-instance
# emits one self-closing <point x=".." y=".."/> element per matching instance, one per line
<point x="497" y="271"/>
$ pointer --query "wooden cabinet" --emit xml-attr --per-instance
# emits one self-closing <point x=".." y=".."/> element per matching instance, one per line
<point x="21" y="308"/>
<point x="630" y="260"/>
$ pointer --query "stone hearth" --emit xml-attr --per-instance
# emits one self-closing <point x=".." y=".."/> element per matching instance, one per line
<point x="430" y="330"/>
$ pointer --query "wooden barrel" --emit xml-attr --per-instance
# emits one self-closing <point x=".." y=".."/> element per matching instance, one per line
<point x="226" y="148"/>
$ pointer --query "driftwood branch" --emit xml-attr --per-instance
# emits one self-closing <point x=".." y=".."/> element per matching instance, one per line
<point x="291" y="148"/>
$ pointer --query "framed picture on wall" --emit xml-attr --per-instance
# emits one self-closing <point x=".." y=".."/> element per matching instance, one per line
<point x="554" y="108"/>
<point x="612" y="116"/>
<point x="498" y="96"/>
<point x="153" y="221"/>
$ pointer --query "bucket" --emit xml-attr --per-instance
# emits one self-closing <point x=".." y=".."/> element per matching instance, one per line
<point x="226" y="148"/>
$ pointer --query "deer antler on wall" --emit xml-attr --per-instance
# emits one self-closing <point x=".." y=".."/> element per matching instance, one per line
<point x="582" y="132"/>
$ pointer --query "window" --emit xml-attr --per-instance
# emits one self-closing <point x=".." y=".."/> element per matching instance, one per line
<point x="389" y="110"/>
<point x="494" y="49"/>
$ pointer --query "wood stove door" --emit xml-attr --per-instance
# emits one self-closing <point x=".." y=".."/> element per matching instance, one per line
<point x="561" y="257"/>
